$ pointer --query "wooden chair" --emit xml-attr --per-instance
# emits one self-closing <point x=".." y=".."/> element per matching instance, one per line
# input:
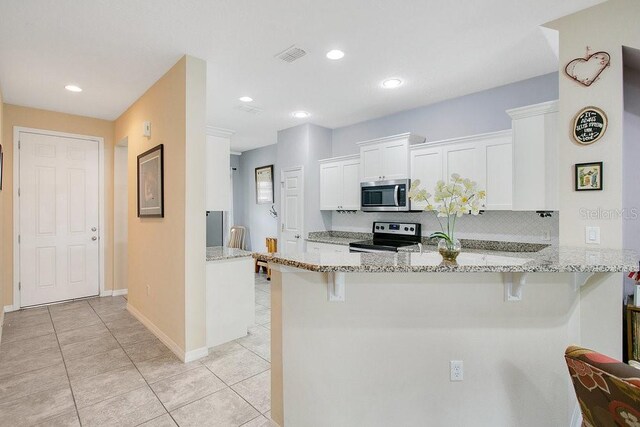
<point x="272" y="247"/>
<point x="608" y="390"/>
<point x="236" y="237"/>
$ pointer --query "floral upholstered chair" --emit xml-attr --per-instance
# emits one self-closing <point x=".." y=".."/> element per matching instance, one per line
<point x="608" y="390"/>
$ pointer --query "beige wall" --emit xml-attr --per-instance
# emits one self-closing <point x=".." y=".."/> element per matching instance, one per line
<point x="14" y="115"/>
<point x="2" y="195"/>
<point x="158" y="248"/>
<point x="607" y="27"/>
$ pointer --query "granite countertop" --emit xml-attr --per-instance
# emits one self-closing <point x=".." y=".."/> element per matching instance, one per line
<point x="337" y="237"/>
<point x="551" y="259"/>
<point x="346" y="237"/>
<point x="219" y="253"/>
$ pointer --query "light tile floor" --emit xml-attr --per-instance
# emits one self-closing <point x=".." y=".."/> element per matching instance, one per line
<point x="89" y="362"/>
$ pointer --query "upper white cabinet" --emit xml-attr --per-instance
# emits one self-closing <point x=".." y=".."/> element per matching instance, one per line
<point x="535" y="157"/>
<point x="340" y="183"/>
<point x="386" y="158"/>
<point x="485" y="158"/>
<point x="218" y="169"/>
<point x="498" y="171"/>
<point x="426" y="165"/>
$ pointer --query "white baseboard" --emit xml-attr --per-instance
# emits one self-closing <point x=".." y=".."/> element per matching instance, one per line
<point x="8" y="308"/>
<point x="106" y="293"/>
<point x="119" y="292"/>
<point x="196" y="354"/>
<point x="175" y="348"/>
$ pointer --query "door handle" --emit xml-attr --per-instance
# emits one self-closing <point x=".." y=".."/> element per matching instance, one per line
<point x="93" y="229"/>
<point x="94" y="238"/>
<point x="297" y="236"/>
<point x="395" y="195"/>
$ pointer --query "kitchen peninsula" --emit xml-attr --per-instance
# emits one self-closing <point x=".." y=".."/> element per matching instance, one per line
<point x="230" y="294"/>
<point x="367" y="339"/>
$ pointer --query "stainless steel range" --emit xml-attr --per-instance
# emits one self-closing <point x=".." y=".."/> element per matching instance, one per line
<point x="388" y="237"/>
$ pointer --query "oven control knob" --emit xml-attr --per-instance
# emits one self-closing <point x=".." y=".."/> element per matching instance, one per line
<point x="377" y="227"/>
<point x="406" y="229"/>
<point x="412" y="229"/>
<point x="382" y="227"/>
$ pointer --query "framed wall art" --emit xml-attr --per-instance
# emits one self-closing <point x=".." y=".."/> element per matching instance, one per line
<point x="264" y="185"/>
<point x="588" y="176"/>
<point x="589" y="125"/>
<point x="151" y="183"/>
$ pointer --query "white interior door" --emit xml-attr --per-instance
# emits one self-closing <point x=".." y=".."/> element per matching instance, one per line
<point x="291" y="227"/>
<point x="58" y="218"/>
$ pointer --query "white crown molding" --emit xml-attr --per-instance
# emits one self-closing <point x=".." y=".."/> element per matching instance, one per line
<point x="336" y="159"/>
<point x="221" y="132"/>
<point x="413" y="139"/>
<point x="480" y="137"/>
<point x="236" y="153"/>
<point x="533" y="110"/>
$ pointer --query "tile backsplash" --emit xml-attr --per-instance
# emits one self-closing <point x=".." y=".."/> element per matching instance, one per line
<point x="490" y="225"/>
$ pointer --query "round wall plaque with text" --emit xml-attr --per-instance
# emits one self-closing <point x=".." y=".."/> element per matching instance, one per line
<point x="589" y="125"/>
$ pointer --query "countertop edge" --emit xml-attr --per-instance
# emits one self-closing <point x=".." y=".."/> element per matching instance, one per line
<point x="443" y="268"/>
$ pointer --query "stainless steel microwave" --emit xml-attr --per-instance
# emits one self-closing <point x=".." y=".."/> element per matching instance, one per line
<point x="385" y="196"/>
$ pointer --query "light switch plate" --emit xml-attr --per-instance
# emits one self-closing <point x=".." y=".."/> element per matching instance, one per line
<point x="592" y="235"/>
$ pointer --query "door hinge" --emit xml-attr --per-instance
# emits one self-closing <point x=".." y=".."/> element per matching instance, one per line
<point x="18" y="144"/>
<point x="18" y="191"/>
<point x="18" y="239"/>
<point x="19" y="286"/>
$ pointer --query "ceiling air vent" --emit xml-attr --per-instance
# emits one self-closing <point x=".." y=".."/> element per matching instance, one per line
<point x="249" y="109"/>
<point x="291" y="54"/>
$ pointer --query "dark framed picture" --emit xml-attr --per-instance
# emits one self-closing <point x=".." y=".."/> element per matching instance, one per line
<point x="264" y="185"/>
<point x="151" y="183"/>
<point x="589" y="176"/>
<point x="1" y="165"/>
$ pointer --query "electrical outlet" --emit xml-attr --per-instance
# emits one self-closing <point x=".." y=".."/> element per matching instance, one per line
<point x="592" y="235"/>
<point x="456" y="370"/>
<point x="148" y="290"/>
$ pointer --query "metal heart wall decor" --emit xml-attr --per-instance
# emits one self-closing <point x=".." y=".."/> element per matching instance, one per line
<point x="587" y="70"/>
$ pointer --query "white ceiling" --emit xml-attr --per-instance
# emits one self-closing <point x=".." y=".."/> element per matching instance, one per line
<point x="115" y="49"/>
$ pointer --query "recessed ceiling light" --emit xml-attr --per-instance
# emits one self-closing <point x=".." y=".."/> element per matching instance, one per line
<point x="335" y="54"/>
<point x="300" y="114"/>
<point x="246" y="99"/>
<point x="73" y="88"/>
<point x="391" y="83"/>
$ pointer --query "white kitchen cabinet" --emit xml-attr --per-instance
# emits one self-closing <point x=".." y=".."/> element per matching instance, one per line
<point x="317" y="247"/>
<point x="535" y="157"/>
<point x="498" y="169"/>
<point x="386" y="158"/>
<point x="463" y="158"/>
<point x="340" y="184"/>
<point x="218" y="169"/>
<point x="426" y="165"/>
<point x="484" y="158"/>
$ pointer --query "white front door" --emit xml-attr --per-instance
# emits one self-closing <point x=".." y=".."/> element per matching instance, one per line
<point x="58" y="218"/>
<point x="292" y="211"/>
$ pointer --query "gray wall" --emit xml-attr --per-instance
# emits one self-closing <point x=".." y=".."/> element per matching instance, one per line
<point x="472" y="114"/>
<point x="631" y="157"/>
<point x="303" y="146"/>
<point x="256" y="218"/>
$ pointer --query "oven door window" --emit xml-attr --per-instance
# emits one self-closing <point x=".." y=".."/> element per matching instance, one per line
<point x="379" y="196"/>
